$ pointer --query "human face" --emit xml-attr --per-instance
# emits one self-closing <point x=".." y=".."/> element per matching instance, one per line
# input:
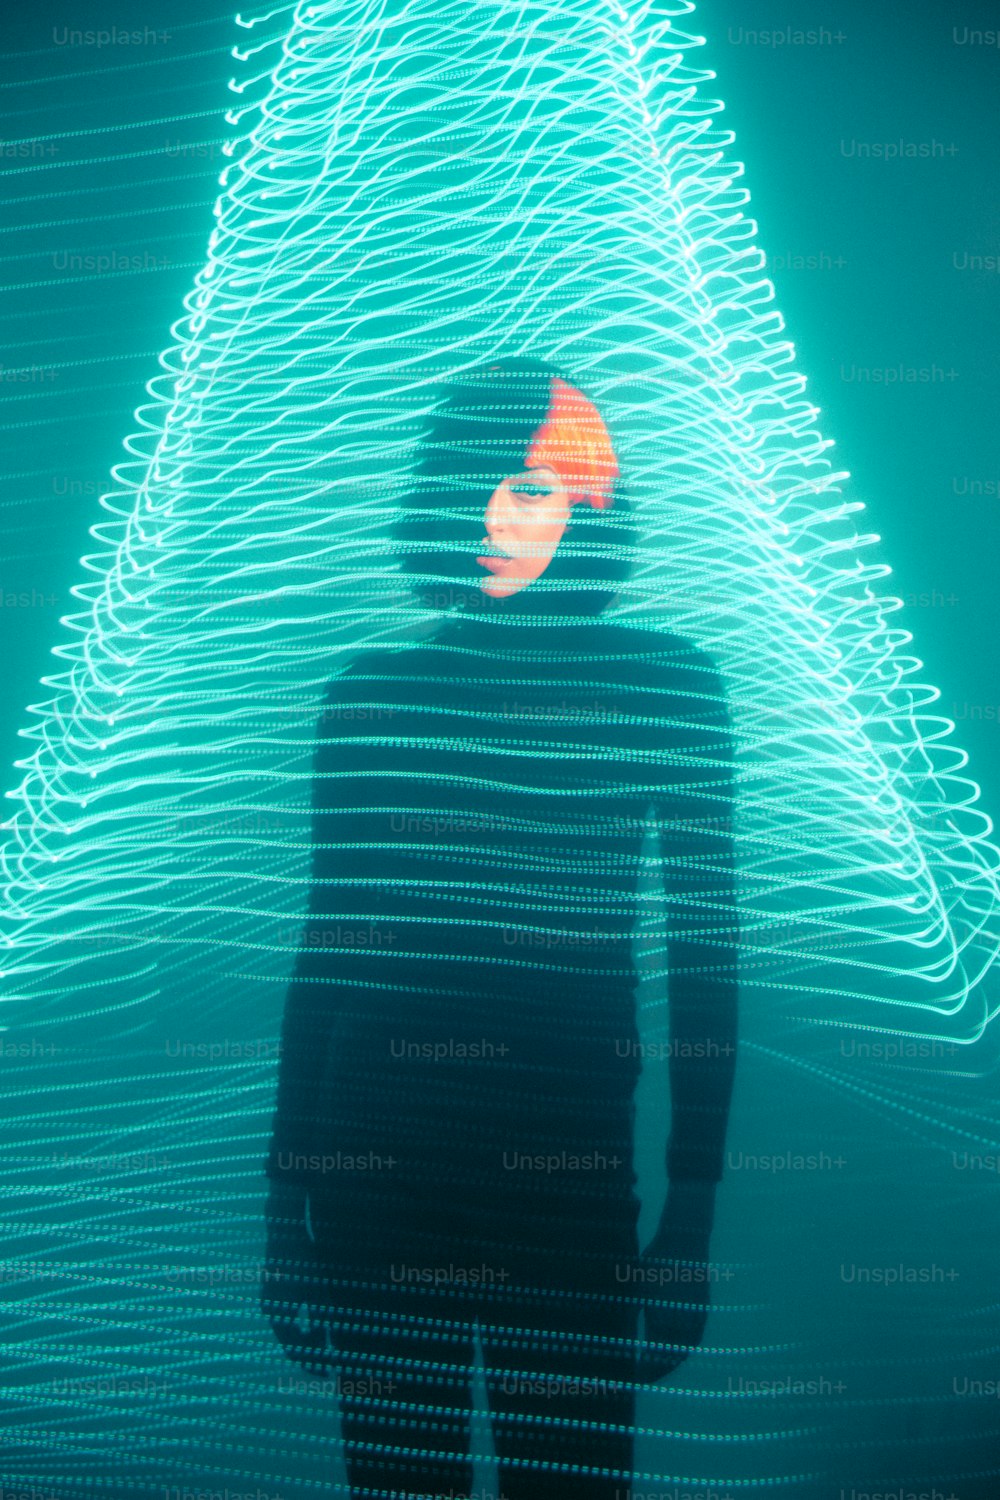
<point x="526" y="516"/>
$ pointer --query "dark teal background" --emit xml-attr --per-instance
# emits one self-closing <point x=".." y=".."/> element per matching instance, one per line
<point x="116" y="151"/>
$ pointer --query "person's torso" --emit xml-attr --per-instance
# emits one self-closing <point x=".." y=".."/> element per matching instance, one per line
<point x="487" y="814"/>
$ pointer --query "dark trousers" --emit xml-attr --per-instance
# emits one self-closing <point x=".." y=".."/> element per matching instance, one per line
<point x="543" y="1273"/>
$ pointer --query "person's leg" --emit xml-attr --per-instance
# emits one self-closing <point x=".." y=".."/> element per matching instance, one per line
<point x="562" y="1401"/>
<point x="559" y="1347"/>
<point x="402" y="1354"/>
<point x="405" y="1395"/>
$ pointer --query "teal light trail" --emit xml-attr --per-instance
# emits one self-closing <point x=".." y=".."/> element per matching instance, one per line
<point x="414" y="188"/>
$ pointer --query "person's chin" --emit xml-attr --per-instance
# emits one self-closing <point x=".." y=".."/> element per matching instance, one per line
<point x="501" y="588"/>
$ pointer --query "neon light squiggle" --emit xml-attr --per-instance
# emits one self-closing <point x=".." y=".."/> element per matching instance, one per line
<point x="408" y="195"/>
<point x="413" y="189"/>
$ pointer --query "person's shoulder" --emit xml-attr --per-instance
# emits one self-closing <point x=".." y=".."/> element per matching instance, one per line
<point x="657" y="668"/>
<point x="664" y="648"/>
<point x="373" y="661"/>
<point x="639" y="635"/>
<point x="399" y="674"/>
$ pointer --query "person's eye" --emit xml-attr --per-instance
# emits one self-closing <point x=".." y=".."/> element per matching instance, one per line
<point x="531" y="490"/>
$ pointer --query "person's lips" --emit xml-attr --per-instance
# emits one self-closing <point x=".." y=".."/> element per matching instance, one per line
<point x="495" y="561"/>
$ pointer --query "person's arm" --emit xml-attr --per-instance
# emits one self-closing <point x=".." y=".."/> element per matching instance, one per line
<point x="703" y="1047"/>
<point x="695" y="819"/>
<point x="311" y="995"/>
<point x="696" y="832"/>
<point x="292" y="1275"/>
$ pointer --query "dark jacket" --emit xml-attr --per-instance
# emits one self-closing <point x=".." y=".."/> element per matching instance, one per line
<point x="465" y="971"/>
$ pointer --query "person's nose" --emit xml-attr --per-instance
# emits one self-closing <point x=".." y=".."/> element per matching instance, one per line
<point x="498" y="513"/>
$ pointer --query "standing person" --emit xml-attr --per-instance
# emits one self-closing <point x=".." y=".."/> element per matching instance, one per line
<point x="453" y="1137"/>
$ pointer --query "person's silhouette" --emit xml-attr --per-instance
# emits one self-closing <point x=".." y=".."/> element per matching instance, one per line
<point x="453" y="1135"/>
